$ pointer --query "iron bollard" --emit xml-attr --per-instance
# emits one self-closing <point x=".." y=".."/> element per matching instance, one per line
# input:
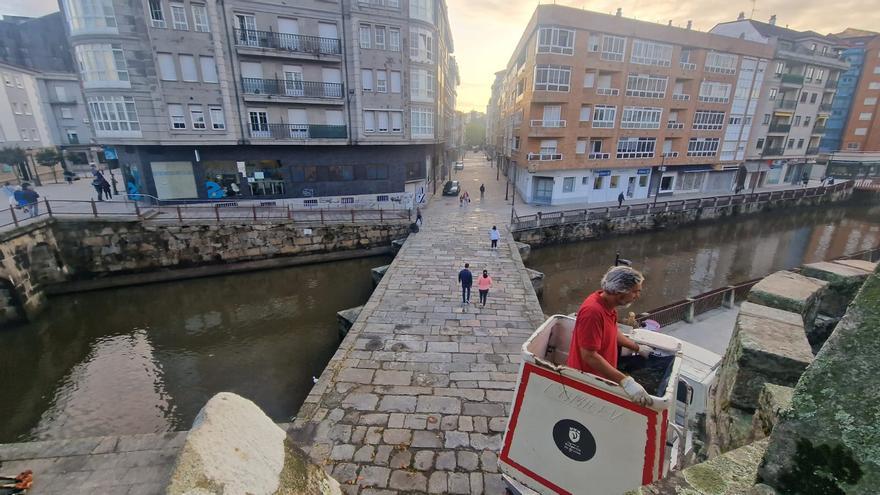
<point x="94" y="209"/>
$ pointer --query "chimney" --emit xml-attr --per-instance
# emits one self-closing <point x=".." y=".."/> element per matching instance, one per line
<point x="741" y="16"/>
<point x="690" y="23"/>
<point x="773" y="20"/>
<point x="619" y="12"/>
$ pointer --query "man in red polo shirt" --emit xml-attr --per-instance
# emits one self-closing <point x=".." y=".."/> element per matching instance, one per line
<point x="595" y="339"/>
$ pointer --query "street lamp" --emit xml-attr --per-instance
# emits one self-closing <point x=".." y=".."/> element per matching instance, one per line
<point x="514" y="193"/>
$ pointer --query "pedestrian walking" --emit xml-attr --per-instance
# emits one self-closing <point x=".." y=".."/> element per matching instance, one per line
<point x="466" y="278"/>
<point x="484" y="283"/>
<point x="620" y="199"/>
<point x="467" y="198"/>
<point x="105" y="187"/>
<point x="482" y="191"/>
<point x="28" y="200"/>
<point x="461" y="200"/>
<point x="494" y="235"/>
<point x="419" y="217"/>
<point x="96" y="183"/>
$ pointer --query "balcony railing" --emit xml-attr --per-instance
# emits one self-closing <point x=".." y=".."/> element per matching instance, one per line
<point x="544" y="157"/>
<point x="688" y="66"/>
<point x="680" y="97"/>
<point x="792" y="79"/>
<point x="607" y="91"/>
<point x="288" y="42"/>
<point x="547" y="123"/>
<point x="598" y="156"/>
<point x="813" y="151"/>
<point x="783" y="128"/>
<point x="714" y="99"/>
<point x="819" y="129"/>
<point x="825" y="107"/>
<point x="773" y="151"/>
<point x="297" y="131"/>
<point x="54" y="100"/>
<point x="785" y="104"/>
<point x="670" y="154"/>
<point x="702" y="153"/>
<point x="675" y="125"/>
<point x="292" y="89"/>
<point x="831" y="84"/>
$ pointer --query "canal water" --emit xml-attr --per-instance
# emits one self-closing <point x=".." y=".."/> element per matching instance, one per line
<point x="146" y="359"/>
<point x="691" y="260"/>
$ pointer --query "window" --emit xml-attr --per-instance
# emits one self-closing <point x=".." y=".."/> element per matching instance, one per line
<point x="807" y="121"/>
<point x="218" y="120"/>
<point x="197" y="117"/>
<point x="598" y="182"/>
<point x="650" y="53"/>
<point x="421" y="45"/>
<point x="645" y="86"/>
<point x="874" y="85"/>
<point x="613" y="47"/>
<point x="396" y="121"/>
<point x="708" y="120"/>
<point x="381" y="81"/>
<point x="15" y="108"/>
<point x="114" y="115"/>
<point x="861" y="131"/>
<point x="643" y="181"/>
<point x="377" y="172"/>
<point x="804" y="96"/>
<point x="367" y="79"/>
<point x="589" y="79"/>
<point x="90" y="15"/>
<point x="167" y="69"/>
<point x="603" y="116"/>
<point x="581" y="146"/>
<point x="714" y="92"/>
<point x="394" y="39"/>
<point x="157" y="17"/>
<point x="586" y="111"/>
<point x="760" y="143"/>
<point x="340" y="172"/>
<point x="27" y="109"/>
<point x="773" y="93"/>
<point x="421" y="85"/>
<point x="790" y="143"/>
<point x="702" y="146"/>
<point x="178" y="17"/>
<point x="200" y="19"/>
<point x="66" y="113"/>
<point x="24" y="134"/>
<point x="395" y="81"/>
<point x="813" y="97"/>
<point x="209" y="69"/>
<point x="552" y="78"/>
<point x="690" y="181"/>
<point x="422" y="9"/>
<point x="394" y="3"/>
<point x="800" y="143"/>
<point x="636" y="147"/>
<point x="102" y="64"/>
<point x="735" y="120"/>
<point x="766" y="120"/>
<point x="808" y="73"/>
<point x="188" y="70"/>
<point x="259" y="123"/>
<point x="797" y="120"/>
<point x="369" y="121"/>
<point x="877" y="69"/>
<point x="614" y="182"/>
<point x="72" y="136"/>
<point x="568" y="184"/>
<point x="382" y="121"/>
<point x="721" y="63"/>
<point x="18" y="81"/>
<point x="870" y="101"/>
<point x="366" y="36"/>
<point x="422" y="122"/>
<point x="175" y="113"/>
<point x="380" y="37"/>
<point x="640" y="118"/>
<point x="556" y="40"/>
<point x="862" y="115"/>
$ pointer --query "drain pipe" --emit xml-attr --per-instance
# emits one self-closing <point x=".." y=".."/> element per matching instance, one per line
<point x="235" y="81"/>
<point x="346" y="88"/>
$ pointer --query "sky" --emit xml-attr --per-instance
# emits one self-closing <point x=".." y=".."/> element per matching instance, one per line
<point x="485" y="32"/>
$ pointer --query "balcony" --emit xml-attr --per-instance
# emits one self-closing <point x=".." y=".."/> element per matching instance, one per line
<point x="290" y="44"/>
<point x="598" y="156"/>
<point x="831" y="84"/>
<point x="69" y="100"/>
<point x="687" y="66"/>
<point x="702" y="153"/>
<point x="825" y="107"/>
<point x="785" y="104"/>
<point x="773" y="151"/>
<point x="670" y="154"/>
<point x="680" y="97"/>
<point x="297" y="131"/>
<point x="291" y="89"/>
<point x="819" y="129"/>
<point x="779" y="128"/>
<point x="607" y="91"/>
<point x="813" y="151"/>
<point x="544" y="157"/>
<point x="714" y="99"/>
<point x="555" y="124"/>
<point x="675" y="125"/>
<point x="793" y="79"/>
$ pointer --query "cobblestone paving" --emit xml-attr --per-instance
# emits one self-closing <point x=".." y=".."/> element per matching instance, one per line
<point x="416" y="398"/>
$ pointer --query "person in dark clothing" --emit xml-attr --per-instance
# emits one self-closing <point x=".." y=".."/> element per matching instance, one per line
<point x="105" y="186"/>
<point x="466" y="278"/>
<point x="482" y="191"/>
<point x="620" y="200"/>
<point x="96" y="183"/>
<point x="28" y="199"/>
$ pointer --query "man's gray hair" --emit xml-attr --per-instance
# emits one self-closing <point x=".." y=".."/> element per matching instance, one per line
<point x="621" y="279"/>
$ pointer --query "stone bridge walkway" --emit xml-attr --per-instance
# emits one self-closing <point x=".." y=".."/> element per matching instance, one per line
<point x="416" y="398"/>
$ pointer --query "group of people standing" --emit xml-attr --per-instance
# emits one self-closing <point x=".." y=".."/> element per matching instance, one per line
<point x="102" y="187"/>
<point x="23" y="198"/>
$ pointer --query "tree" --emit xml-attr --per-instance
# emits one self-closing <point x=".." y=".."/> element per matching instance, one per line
<point x="17" y="158"/>
<point x="475" y="133"/>
<point x="49" y="157"/>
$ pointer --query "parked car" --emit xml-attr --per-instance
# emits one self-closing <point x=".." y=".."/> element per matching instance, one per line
<point x="451" y="188"/>
<point x="459" y="165"/>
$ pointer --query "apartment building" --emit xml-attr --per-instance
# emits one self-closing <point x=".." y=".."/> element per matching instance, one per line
<point x="23" y="124"/>
<point x="795" y="103"/>
<point x="860" y="129"/>
<point x="254" y="100"/>
<point x="597" y="105"/>
<point x="493" y="119"/>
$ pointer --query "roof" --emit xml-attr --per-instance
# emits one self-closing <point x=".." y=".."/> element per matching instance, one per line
<point x="854" y="33"/>
<point x="771" y="30"/>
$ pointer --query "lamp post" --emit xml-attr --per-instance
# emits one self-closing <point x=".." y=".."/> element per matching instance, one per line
<point x="661" y="169"/>
<point x="513" y="200"/>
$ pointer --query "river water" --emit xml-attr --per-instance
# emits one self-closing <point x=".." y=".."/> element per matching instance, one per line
<point x="146" y="359"/>
<point x="691" y="260"/>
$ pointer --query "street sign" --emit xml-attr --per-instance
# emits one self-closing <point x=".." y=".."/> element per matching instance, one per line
<point x="643" y="171"/>
<point x="603" y="173"/>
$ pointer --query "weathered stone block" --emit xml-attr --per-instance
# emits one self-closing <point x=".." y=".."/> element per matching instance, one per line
<point x="524" y="250"/>
<point x="843" y="283"/>
<point x="762" y="350"/>
<point x="377" y="274"/>
<point x="828" y="442"/>
<point x="346" y="318"/>
<point x="773" y="402"/>
<point x="790" y="292"/>
<point x="537" y="279"/>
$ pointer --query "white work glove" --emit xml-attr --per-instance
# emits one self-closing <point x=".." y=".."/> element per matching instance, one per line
<point x="645" y="350"/>
<point x="636" y="392"/>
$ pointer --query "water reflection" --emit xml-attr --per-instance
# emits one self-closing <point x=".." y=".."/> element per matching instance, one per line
<point x="691" y="260"/>
<point x="145" y="359"/>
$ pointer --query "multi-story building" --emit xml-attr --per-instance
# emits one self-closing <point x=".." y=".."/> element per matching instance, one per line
<point x="493" y="118"/>
<point x="36" y="43"/>
<point x="859" y="90"/>
<point x="598" y="105"/>
<point x="23" y="123"/>
<point x="795" y="103"/>
<point x="254" y="100"/>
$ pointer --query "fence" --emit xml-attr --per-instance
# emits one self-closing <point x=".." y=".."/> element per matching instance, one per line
<point x="566" y="217"/>
<point x="867" y="184"/>
<point x="691" y="307"/>
<point x="216" y="212"/>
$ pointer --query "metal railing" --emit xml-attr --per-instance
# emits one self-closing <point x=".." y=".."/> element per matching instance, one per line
<point x="867" y="184"/>
<point x="297" y="131"/>
<point x="783" y="128"/>
<point x="547" y="123"/>
<point x="292" y="89"/>
<point x="687" y="66"/>
<point x="785" y="104"/>
<point x="825" y="107"/>
<point x="774" y="151"/>
<point x="680" y="97"/>
<point x="598" y="156"/>
<point x="792" y="79"/>
<point x="566" y="217"/>
<point x="543" y="157"/>
<point x="819" y="129"/>
<point x="203" y="211"/>
<point x="288" y="42"/>
<point x="607" y="91"/>
<point x="675" y="125"/>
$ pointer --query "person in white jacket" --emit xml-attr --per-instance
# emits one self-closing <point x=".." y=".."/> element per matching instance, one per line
<point x="494" y="235"/>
